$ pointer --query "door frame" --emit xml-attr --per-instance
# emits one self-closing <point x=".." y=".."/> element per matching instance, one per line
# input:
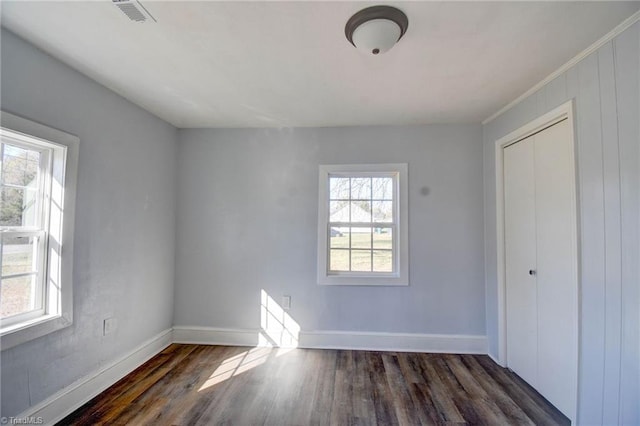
<point x="562" y="112"/>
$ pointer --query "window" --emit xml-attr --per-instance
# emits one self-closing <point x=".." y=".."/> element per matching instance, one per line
<point x="362" y="226"/>
<point x="37" y="197"/>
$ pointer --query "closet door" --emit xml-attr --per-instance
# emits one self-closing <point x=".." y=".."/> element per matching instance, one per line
<point x="556" y="266"/>
<point x="541" y="263"/>
<point x="520" y="256"/>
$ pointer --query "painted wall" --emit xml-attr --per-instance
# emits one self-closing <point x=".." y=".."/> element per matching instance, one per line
<point x="125" y="223"/>
<point x="606" y="89"/>
<point x="247" y="221"/>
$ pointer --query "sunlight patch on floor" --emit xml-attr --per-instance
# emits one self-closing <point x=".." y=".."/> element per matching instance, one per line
<point x="236" y="365"/>
<point x="278" y="335"/>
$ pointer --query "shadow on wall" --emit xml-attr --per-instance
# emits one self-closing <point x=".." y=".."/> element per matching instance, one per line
<point x="278" y="335"/>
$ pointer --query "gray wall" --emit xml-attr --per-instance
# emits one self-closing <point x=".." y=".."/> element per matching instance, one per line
<point x="125" y="223"/>
<point x="247" y="220"/>
<point x="606" y="91"/>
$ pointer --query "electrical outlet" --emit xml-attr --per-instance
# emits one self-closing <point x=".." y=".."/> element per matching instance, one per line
<point x="109" y="326"/>
<point x="286" y="302"/>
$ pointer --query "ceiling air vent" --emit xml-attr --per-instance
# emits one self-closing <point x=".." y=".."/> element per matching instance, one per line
<point x="134" y="10"/>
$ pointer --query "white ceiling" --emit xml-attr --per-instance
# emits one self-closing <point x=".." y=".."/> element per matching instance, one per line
<point x="281" y="64"/>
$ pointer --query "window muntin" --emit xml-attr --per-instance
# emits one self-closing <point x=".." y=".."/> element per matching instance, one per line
<point x="362" y="225"/>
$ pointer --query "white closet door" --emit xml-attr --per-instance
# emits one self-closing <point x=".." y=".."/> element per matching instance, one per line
<point x="520" y="256"/>
<point x="541" y="263"/>
<point x="556" y="280"/>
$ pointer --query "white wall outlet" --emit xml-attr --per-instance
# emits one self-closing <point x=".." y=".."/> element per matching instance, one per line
<point x="286" y="302"/>
<point x="109" y="326"/>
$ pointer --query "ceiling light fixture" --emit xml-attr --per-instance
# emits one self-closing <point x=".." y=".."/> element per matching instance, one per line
<point x="376" y="29"/>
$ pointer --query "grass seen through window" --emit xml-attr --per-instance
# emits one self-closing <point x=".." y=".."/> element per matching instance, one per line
<point x="361" y="251"/>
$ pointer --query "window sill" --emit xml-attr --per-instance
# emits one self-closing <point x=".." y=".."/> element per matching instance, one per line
<point x="374" y="281"/>
<point x="17" y="334"/>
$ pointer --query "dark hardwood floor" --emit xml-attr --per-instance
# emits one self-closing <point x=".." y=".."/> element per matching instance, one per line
<point x="210" y="385"/>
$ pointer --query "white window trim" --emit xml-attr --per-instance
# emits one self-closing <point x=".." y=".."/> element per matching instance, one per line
<point x="42" y="215"/>
<point x="59" y="304"/>
<point x="401" y="255"/>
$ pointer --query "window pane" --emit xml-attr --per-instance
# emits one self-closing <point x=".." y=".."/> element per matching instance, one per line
<point x="11" y="206"/>
<point x="18" y="200"/>
<point x="360" y="188"/>
<point x="339" y="260"/>
<point x="20" y="166"/>
<point x="338" y="238"/>
<point x="383" y="238"/>
<point x="382" y="188"/>
<point x="18" y="207"/>
<point x="383" y="211"/>
<point x="17" y="295"/>
<point x="361" y="260"/>
<point x="338" y="211"/>
<point x="338" y="188"/>
<point x="361" y="238"/>
<point x="19" y="255"/>
<point x="360" y="211"/>
<point x="382" y="261"/>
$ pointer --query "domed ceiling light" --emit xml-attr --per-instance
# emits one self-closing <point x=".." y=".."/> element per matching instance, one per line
<point x="376" y="29"/>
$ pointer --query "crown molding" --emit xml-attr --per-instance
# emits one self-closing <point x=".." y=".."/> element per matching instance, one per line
<point x="572" y="62"/>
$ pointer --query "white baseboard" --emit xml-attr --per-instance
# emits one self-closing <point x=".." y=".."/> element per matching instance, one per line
<point x="396" y="342"/>
<point x="496" y="360"/>
<point x="215" y="336"/>
<point x="400" y="342"/>
<point x="67" y="400"/>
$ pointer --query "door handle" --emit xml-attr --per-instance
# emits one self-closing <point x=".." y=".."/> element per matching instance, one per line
<point x="532" y="271"/>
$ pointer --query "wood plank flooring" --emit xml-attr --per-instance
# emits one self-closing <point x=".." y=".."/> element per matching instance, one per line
<point x="225" y="385"/>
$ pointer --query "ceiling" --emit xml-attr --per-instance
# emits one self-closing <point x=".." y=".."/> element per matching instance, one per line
<point x="288" y="64"/>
